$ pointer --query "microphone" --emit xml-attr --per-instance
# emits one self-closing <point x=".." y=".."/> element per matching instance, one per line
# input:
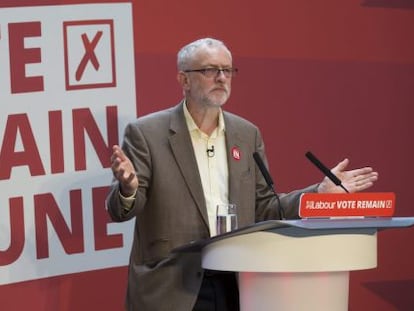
<point x="210" y="152"/>
<point x="268" y="180"/>
<point x="327" y="172"/>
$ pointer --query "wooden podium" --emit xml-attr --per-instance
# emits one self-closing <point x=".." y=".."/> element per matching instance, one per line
<point x="296" y="264"/>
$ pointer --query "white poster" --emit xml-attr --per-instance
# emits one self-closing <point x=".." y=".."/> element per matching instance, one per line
<point x="67" y="90"/>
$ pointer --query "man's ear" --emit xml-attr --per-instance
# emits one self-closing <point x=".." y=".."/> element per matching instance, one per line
<point x="182" y="78"/>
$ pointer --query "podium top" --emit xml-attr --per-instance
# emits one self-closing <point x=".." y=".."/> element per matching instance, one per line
<point x="378" y="223"/>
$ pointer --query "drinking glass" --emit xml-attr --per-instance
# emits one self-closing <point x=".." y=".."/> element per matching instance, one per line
<point x="226" y="218"/>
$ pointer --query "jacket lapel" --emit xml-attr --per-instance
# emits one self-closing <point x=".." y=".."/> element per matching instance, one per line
<point x="182" y="149"/>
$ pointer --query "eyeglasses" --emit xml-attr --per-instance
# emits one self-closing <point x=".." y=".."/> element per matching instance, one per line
<point x="215" y="72"/>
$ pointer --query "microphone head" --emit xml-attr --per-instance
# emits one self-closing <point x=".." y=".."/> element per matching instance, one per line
<point x="326" y="171"/>
<point x="263" y="169"/>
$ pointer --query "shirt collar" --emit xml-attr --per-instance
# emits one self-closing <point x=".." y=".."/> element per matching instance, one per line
<point x="192" y="126"/>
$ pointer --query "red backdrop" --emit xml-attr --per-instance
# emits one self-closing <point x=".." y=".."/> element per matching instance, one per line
<point x="333" y="77"/>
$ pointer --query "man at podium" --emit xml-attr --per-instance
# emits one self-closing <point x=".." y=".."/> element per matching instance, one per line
<point x="175" y="166"/>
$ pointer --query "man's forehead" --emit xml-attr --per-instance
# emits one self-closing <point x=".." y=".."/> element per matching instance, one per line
<point x="212" y="56"/>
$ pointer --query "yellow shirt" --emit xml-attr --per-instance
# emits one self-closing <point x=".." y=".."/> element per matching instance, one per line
<point x="212" y="165"/>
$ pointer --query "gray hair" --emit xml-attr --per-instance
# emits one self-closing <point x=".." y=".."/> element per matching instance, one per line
<point x="186" y="54"/>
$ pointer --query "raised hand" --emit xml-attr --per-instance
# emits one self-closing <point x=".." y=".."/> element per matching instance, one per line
<point x="353" y="180"/>
<point x="124" y="171"/>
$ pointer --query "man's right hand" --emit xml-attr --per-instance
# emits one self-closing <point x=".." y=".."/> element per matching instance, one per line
<point x="124" y="172"/>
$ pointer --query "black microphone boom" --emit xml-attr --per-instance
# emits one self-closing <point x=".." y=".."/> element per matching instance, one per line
<point x="269" y="181"/>
<point x="327" y="172"/>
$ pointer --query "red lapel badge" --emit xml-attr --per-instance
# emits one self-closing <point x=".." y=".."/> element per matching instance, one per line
<point x="235" y="152"/>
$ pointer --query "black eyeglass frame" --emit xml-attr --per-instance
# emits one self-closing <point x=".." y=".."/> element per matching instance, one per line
<point x="211" y="72"/>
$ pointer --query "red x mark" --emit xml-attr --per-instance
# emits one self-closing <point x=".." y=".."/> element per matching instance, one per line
<point x="89" y="54"/>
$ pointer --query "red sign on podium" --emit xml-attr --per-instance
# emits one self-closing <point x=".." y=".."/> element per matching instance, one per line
<point x="324" y="205"/>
